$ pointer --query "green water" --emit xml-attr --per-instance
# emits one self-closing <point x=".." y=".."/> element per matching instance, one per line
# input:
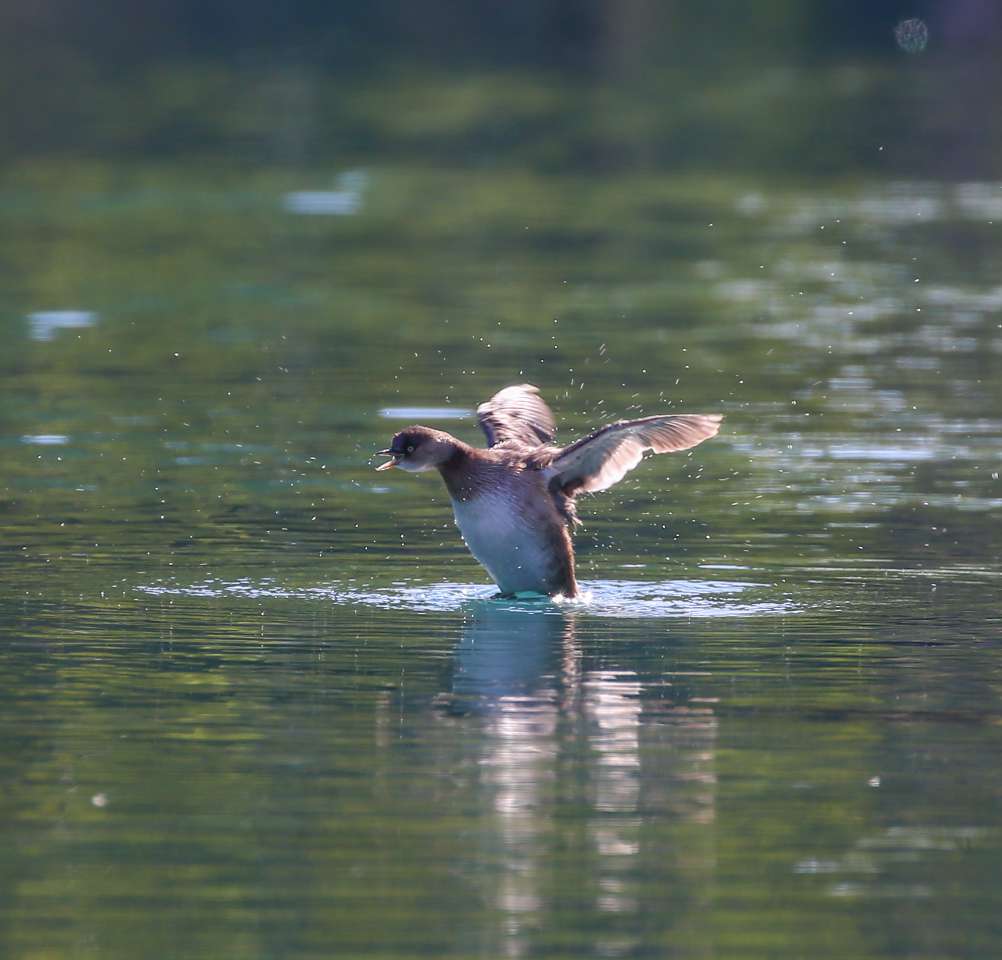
<point x="256" y="700"/>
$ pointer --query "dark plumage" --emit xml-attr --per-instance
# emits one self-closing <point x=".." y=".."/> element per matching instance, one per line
<point x="514" y="502"/>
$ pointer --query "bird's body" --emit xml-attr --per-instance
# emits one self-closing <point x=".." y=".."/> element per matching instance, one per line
<point x="514" y="502"/>
<point x="510" y="523"/>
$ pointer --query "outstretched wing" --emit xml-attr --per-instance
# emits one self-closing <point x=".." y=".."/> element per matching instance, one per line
<point x="517" y="413"/>
<point x="598" y="461"/>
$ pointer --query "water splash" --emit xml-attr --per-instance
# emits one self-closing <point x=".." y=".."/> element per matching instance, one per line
<point x="624" y="599"/>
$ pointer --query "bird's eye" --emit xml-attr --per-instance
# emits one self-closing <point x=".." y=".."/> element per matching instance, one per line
<point x="410" y="448"/>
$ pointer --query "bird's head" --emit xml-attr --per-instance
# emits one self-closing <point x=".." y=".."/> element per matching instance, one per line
<point x="419" y="448"/>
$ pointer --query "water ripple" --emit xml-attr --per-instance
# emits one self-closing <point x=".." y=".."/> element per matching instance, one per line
<point x="625" y="599"/>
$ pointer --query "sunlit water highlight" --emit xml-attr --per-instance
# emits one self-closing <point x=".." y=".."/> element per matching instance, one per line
<point x="45" y="324"/>
<point x="425" y="413"/>
<point x="625" y="599"/>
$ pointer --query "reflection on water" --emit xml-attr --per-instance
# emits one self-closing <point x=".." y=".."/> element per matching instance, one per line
<point x="322" y="202"/>
<point x="416" y="414"/>
<point x="46" y="440"/>
<point x="509" y="669"/>
<point x="45" y="324"/>
<point x="344" y="200"/>
<point x="882" y="866"/>
<point x="523" y="676"/>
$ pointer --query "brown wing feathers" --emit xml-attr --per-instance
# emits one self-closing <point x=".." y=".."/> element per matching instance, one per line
<point x="598" y="461"/>
<point x="517" y="413"/>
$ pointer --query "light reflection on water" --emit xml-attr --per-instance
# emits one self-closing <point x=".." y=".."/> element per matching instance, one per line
<point x="416" y="414"/>
<point x="46" y="439"/>
<point x="541" y="705"/>
<point x="323" y="202"/>
<point x="45" y="324"/>
<point x="345" y="200"/>
<point x="605" y="598"/>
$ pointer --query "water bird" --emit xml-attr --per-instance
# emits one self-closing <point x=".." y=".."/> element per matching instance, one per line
<point x="514" y="502"/>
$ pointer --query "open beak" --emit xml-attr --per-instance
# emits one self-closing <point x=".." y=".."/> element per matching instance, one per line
<point x="390" y="464"/>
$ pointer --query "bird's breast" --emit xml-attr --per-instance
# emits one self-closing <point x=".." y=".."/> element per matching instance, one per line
<point x="512" y="537"/>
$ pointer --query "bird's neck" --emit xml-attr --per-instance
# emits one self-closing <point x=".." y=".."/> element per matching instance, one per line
<point x="458" y="471"/>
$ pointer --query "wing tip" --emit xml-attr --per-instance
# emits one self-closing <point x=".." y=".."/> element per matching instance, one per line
<point x="709" y="424"/>
<point x="528" y="387"/>
<point x="683" y="431"/>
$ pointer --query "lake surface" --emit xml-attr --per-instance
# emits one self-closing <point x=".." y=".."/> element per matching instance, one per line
<point x="257" y="700"/>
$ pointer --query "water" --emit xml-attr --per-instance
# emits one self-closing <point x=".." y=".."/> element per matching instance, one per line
<point x="257" y="700"/>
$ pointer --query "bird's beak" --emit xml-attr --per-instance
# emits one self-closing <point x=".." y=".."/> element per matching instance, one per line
<point x="389" y="463"/>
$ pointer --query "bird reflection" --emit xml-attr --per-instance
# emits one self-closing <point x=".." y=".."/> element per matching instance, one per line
<point x="507" y="653"/>
<point x="571" y="745"/>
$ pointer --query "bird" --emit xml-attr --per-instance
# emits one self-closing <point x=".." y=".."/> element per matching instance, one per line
<point x="514" y="502"/>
